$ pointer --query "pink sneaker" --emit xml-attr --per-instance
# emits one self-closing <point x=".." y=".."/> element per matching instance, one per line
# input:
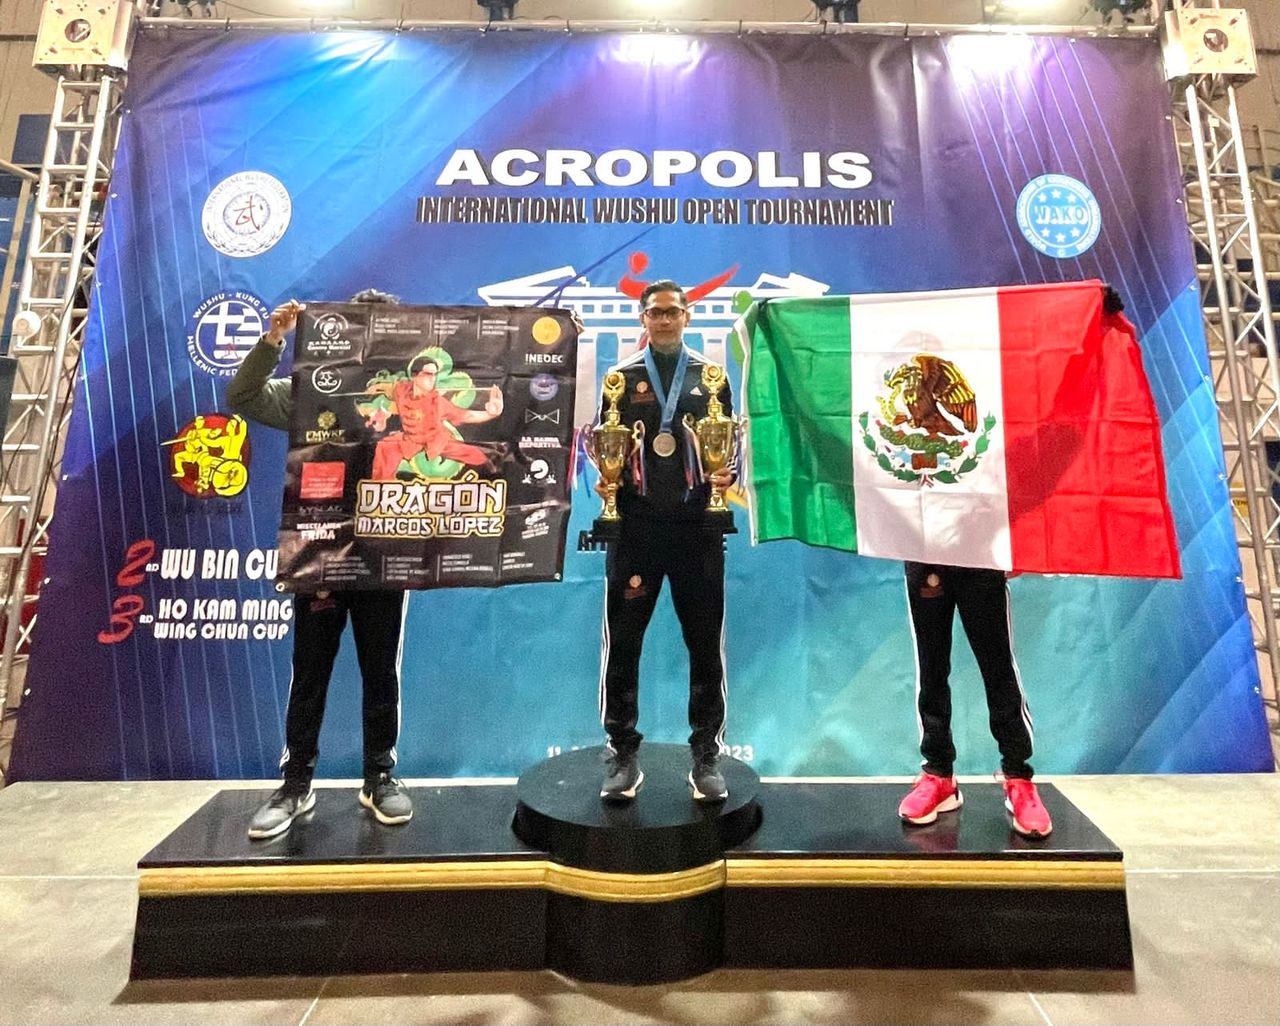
<point x="929" y="796"/>
<point x="1030" y="817"/>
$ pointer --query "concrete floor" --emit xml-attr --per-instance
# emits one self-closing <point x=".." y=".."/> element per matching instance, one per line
<point x="1203" y="858"/>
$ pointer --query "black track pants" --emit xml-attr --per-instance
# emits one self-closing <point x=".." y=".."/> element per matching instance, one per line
<point x="934" y="593"/>
<point x="376" y="622"/>
<point x="692" y="560"/>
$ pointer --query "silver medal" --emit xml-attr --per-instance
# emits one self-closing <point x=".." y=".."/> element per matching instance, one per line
<point x="664" y="443"/>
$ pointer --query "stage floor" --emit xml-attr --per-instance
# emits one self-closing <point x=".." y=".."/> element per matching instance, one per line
<point x="1203" y="864"/>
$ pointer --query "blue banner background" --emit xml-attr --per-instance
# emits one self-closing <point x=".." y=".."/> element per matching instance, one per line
<point x="1122" y="675"/>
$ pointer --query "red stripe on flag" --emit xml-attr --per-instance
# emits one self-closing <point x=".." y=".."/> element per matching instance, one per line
<point x="1083" y="458"/>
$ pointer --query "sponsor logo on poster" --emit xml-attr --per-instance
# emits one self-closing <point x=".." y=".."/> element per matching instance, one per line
<point x="543" y="387"/>
<point x="326" y="380"/>
<point x="331" y="338"/>
<point x="546" y="331"/>
<point x="324" y="480"/>
<point x="536" y="525"/>
<point x="246" y="214"/>
<point x="326" y="429"/>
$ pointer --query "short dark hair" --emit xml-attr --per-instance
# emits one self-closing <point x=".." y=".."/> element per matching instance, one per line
<point x="374" y="296"/>
<point x="663" y="285"/>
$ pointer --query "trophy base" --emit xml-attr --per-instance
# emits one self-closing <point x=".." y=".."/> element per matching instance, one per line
<point x="605" y="531"/>
<point x="719" y="521"/>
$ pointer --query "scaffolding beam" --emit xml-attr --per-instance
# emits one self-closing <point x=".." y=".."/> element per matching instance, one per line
<point x="57" y="275"/>
<point x="1236" y="254"/>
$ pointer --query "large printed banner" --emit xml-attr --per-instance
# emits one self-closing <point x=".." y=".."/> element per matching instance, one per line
<point x="565" y="170"/>
<point x="430" y="446"/>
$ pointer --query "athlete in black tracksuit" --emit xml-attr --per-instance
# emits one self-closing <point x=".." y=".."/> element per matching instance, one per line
<point x="664" y="534"/>
<point x="981" y="596"/>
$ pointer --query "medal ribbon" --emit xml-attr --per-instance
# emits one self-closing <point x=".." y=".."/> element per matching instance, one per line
<point x="668" y="402"/>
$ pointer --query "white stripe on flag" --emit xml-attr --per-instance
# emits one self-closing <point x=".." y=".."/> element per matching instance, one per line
<point x="961" y="524"/>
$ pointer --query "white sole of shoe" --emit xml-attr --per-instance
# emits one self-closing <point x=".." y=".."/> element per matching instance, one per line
<point x="698" y="796"/>
<point x="1033" y="834"/>
<point x="307" y="805"/>
<point x="367" y="801"/>
<point x="946" y="805"/>
<point x="624" y="796"/>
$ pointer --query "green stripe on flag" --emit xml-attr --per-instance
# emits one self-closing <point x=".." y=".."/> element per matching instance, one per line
<point x="800" y="427"/>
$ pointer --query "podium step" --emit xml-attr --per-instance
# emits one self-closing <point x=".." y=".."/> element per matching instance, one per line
<point x="815" y="875"/>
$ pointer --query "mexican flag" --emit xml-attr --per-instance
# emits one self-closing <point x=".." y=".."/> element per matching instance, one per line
<point x="997" y="427"/>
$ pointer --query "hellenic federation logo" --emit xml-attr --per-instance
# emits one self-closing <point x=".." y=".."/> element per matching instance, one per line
<point x="210" y="456"/>
<point x="927" y="427"/>
<point x="246" y="214"/>
<point x="224" y="328"/>
<point x="1059" y="216"/>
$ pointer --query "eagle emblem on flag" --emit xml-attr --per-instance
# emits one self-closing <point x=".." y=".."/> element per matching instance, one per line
<point x="926" y="428"/>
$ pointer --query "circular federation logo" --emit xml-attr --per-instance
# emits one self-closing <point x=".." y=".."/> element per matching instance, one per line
<point x="224" y="328"/>
<point x="1059" y="216"/>
<point x="246" y="214"/>
<point x="209" y="456"/>
<point x="543" y="387"/>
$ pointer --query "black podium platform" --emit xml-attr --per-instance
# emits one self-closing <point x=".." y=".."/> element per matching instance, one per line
<point x="780" y="875"/>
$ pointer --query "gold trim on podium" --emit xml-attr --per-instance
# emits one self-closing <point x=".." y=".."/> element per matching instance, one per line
<point x="193" y="881"/>
<point x="1039" y="873"/>
<point x="201" y="881"/>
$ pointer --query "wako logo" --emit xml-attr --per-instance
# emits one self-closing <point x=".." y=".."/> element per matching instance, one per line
<point x="325" y="380"/>
<point x="246" y="214"/>
<point x="225" y="327"/>
<point x="1059" y="216"/>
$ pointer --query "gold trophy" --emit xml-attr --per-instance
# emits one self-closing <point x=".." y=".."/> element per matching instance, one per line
<point x="609" y="445"/>
<point x="717" y="437"/>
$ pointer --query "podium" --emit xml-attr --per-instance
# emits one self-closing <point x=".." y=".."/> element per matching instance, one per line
<point x="542" y="874"/>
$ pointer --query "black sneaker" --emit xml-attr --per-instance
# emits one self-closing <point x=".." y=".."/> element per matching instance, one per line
<point x="622" y="778"/>
<point x="387" y="799"/>
<point x="281" y="809"/>
<point x="707" y="781"/>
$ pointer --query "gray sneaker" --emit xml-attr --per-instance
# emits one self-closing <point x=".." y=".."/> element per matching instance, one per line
<point x="622" y="778"/>
<point x="387" y="799"/>
<point x="707" y="781"/>
<point x="280" y="810"/>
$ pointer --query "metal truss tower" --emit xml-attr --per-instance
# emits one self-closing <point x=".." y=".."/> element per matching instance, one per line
<point x="1226" y="191"/>
<point x="56" y="279"/>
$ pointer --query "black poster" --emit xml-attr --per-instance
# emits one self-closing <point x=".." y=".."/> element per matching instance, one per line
<point x="429" y="446"/>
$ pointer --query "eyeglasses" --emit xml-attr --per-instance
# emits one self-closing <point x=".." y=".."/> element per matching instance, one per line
<point x="664" y="313"/>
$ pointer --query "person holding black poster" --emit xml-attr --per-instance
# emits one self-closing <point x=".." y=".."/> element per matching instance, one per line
<point x="377" y="622"/>
<point x="664" y="533"/>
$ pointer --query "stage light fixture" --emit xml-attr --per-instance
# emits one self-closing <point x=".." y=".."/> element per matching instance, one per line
<point x="26" y="324"/>
<point x="499" y="10"/>
<point x="842" y="11"/>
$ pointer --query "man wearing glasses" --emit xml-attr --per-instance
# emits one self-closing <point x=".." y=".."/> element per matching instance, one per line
<point x="663" y="534"/>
